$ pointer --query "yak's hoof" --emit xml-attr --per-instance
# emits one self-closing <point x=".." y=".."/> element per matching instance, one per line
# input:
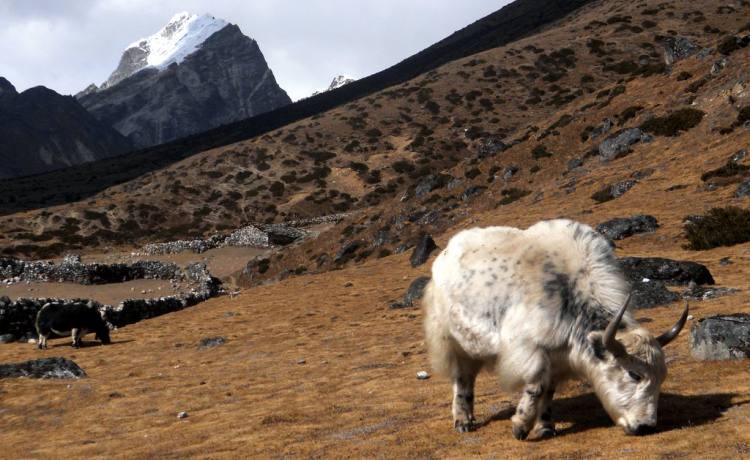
<point x="465" y="426"/>
<point x="520" y="432"/>
<point x="546" y="433"/>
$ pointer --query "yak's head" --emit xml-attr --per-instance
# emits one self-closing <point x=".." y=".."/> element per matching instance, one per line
<point x="628" y="370"/>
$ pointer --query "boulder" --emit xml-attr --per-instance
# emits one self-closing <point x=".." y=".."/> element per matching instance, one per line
<point x="414" y="292"/>
<point x="677" y="272"/>
<point x="211" y="342"/>
<point x="623" y="227"/>
<point x="695" y="292"/>
<point x="618" y="144"/>
<point x="610" y="192"/>
<point x="677" y="49"/>
<point x="472" y="191"/>
<point x="44" y="368"/>
<point x="721" y="337"/>
<point x="575" y="163"/>
<point x="743" y="189"/>
<point x="490" y="147"/>
<point x="422" y="251"/>
<point x="649" y="293"/>
<point x="430" y="183"/>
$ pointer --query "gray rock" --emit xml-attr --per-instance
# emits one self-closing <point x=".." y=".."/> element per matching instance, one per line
<point x="430" y="183"/>
<point x="678" y="272"/>
<point x="574" y="164"/>
<point x="724" y="261"/>
<point x="739" y="156"/>
<point x="414" y="292"/>
<point x="422" y="375"/>
<point x="719" y="65"/>
<point x="623" y="227"/>
<point x="182" y="415"/>
<point x="282" y="235"/>
<point x="510" y="171"/>
<point x="721" y="337"/>
<point x="44" y="368"/>
<point x="422" y="251"/>
<point x="490" y="147"/>
<point x="743" y="189"/>
<point x="211" y="342"/>
<point x="603" y="128"/>
<point x="695" y="292"/>
<point x="678" y="48"/>
<point x="618" y="144"/>
<point x="649" y="293"/>
<point x="472" y="191"/>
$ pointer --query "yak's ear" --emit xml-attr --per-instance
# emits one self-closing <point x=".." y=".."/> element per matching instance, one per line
<point x="595" y="341"/>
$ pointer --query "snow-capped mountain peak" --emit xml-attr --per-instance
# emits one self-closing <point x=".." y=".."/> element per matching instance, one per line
<point x="182" y="35"/>
<point x="340" y="81"/>
<point x="337" y="82"/>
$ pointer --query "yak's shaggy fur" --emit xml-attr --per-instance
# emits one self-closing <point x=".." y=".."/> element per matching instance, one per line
<point x="531" y="305"/>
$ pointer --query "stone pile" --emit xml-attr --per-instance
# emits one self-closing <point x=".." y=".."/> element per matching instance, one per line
<point x="263" y="236"/>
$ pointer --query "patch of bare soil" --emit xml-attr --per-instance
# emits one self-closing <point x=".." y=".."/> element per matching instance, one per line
<point x="111" y="294"/>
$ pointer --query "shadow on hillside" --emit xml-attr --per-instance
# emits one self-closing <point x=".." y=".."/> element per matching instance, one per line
<point x="675" y="411"/>
<point x="90" y="343"/>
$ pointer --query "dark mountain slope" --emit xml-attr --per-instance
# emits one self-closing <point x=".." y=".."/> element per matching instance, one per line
<point x="41" y="131"/>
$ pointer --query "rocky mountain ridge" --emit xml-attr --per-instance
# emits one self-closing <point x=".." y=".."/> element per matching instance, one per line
<point x="195" y="74"/>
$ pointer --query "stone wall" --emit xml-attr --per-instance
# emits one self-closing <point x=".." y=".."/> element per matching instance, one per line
<point x="17" y="318"/>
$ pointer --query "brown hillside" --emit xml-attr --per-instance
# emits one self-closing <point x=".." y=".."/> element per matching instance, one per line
<point x="373" y="150"/>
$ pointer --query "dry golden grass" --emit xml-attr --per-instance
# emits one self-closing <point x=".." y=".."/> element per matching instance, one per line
<point x="356" y="394"/>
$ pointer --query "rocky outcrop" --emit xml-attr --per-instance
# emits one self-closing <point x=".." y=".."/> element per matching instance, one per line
<point x="42" y="131"/>
<point x="227" y="79"/>
<point x="44" y="368"/>
<point x="623" y="227"/>
<point x="650" y="276"/>
<point x="414" y="292"/>
<point x="721" y="337"/>
<point x="675" y="272"/>
<point x="619" y="144"/>
<point x="422" y="251"/>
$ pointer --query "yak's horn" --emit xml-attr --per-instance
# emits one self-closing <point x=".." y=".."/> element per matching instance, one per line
<point x="609" y="334"/>
<point x="668" y="336"/>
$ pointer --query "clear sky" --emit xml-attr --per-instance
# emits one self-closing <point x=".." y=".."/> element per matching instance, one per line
<point x="67" y="44"/>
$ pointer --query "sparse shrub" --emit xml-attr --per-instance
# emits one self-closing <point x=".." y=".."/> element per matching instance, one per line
<point x="511" y="195"/>
<point x="674" y="123"/>
<point x="684" y="75"/>
<point x="472" y="173"/>
<point x="277" y="188"/>
<point x="744" y="115"/>
<point x="628" y="113"/>
<point x="540" y="151"/>
<point x="728" y="170"/>
<point x="403" y="166"/>
<point x="719" y="227"/>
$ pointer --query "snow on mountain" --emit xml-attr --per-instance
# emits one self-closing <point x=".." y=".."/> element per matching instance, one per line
<point x="183" y="35"/>
<point x="337" y="82"/>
